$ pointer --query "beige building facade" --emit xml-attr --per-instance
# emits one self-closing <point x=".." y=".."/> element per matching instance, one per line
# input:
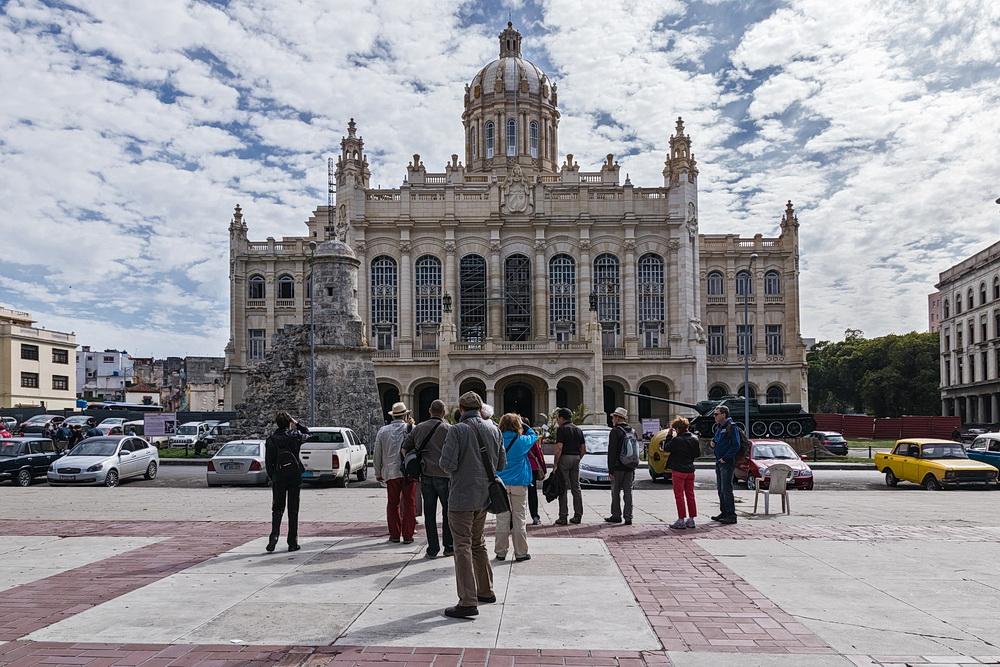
<point x="518" y="275"/>
<point x="969" y="295"/>
<point x="36" y="365"/>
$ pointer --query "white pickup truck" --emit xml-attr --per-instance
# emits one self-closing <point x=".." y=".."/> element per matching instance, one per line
<point x="333" y="454"/>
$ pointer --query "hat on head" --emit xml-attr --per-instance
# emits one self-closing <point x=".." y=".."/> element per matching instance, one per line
<point x="620" y="412"/>
<point x="399" y="410"/>
<point x="470" y="399"/>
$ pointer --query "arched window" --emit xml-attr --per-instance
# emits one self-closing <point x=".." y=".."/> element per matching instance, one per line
<point x="996" y="288"/>
<point x="309" y="287"/>
<point x="427" y="294"/>
<point x="972" y="301"/>
<point x="472" y="141"/>
<point x="533" y="138"/>
<point x="490" y="139"/>
<point x="650" y="299"/>
<point x="982" y="293"/>
<point x="511" y="137"/>
<point x="472" y="299"/>
<point x="286" y="287"/>
<point x="752" y="394"/>
<point x="716" y="392"/>
<point x="255" y="287"/>
<point x="562" y="297"/>
<point x="744" y="283"/>
<point x="716" y="284"/>
<point x="775" y="394"/>
<point x="958" y="303"/>
<point x="384" y="296"/>
<point x="947" y="310"/>
<point x="772" y="283"/>
<point x="607" y="286"/>
<point x="517" y="297"/>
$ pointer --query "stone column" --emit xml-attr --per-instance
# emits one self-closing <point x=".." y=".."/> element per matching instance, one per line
<point x="406" y="325"/>
<point x="628" y="299"/>
<point x="586" y="284"/>
<point x="539" y="293"/>
<point x="944" y="407"/>
<point x="980" y="408"/>
<point x="552" y="400"/>
<point x="495" y="319"/>
<point x="994" y="408"/>
<point x="364" y="291"/>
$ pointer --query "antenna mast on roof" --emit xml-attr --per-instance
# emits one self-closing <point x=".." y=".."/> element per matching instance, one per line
<point x="331" y="192"/>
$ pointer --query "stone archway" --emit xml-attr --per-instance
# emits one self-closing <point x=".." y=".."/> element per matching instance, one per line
<point x="657" y="409"/>
<point x="519" y="398"/>
<point x="569" y="394"/>
<point x="388" y="394"/>
<point x="423" y="396"/>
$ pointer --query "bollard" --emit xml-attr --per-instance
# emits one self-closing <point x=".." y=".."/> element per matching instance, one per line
<point x="869" y="451"/>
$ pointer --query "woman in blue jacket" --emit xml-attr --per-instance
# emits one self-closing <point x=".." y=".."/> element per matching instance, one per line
<point x="518" y="439"/>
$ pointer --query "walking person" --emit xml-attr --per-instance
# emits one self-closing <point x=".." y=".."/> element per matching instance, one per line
<point x="536" y="457"/>
<point x="683" y="448"/>
<point x="284" y="467"/>
<point x="400" y="511"/>
<point x="428" y="438"/>
<point x="725" y="446"/>
<point x="468" y="498"/>
<point x="570" y="448"/>
<point x="518" y="440"/>
<point x="622" y="476"/>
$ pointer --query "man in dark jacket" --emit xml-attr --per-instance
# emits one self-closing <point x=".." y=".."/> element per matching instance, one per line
<point x="285" y="483"/>
<point x="429" y="436"/>
<point x="622" y="477"/>
<point x="726" y="445"/>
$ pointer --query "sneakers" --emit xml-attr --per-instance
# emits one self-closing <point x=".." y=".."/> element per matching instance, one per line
<point x="690" y="522"/>
<point x="409" y="541"/>
<point x="428" y="555"/>
<point x="680" y="524"/>
<point x="562" y="522"/>
<point x="611" y="519"/>
<point x="458" y="611"/>
<point x="394" y="540"/>
<point x="576" y="519"/>
<point x="536" y="520"/>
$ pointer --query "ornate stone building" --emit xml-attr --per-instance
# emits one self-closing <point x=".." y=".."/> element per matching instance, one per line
<point x="535" y="283"/>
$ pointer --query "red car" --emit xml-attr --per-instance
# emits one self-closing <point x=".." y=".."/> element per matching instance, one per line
<point x="766" y="453"/>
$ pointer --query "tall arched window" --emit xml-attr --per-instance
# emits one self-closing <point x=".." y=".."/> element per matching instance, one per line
<point x="972" y="299"/>
<point x="562" y="297"/>
<point x="775" y="394"/>
<point x="517" y="297"/>
<point x="255" y="287"/>
<point x="472" y="141"/>
<point x="650" y="299"/>
<point x="490" y="139"/>
<point x="947" y="310"/>
<point x="744" y="283"/>
<point x="716" y="285"/>
<point x="982" y="293"/>
<point x="427" y="294"/>
<point x="309" y="287"/>
<point x="384" y="296"/>
<point x="607" y="286"/>
<point x="752" y="394"/>
<point x="716" y="392"/>
<point x="958" y="303"/>
<point x="511" y="137"/>
<point x="286" y="287"/>
<point x="772" y="283"/>
<point x="472" y="299"/>
<point x="533" y="138"/>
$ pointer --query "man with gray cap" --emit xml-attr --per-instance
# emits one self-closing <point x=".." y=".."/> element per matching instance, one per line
<point x="622" y="476"/>
<point x="468" y="497"/>
<point x="400" y="511"/>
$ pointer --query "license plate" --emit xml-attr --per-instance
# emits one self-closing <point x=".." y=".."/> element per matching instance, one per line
<point x="307" y="473"/>
<point x="67" y="478"/>
<point x="232" y="466"/>
<point x="602" y="478"/>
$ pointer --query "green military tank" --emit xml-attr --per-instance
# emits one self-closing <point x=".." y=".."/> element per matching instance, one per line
<point x="774" y="420"/>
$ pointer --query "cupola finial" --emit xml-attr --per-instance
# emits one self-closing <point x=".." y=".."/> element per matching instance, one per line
<point x="510" y="42"/>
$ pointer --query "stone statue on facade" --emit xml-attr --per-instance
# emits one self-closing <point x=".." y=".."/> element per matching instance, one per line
<point x="517" y="195"/>
<point x="697" y="331"/>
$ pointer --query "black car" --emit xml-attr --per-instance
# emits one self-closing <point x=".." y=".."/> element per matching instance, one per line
<point x="833" y="442"/>
<point x="23" y="459"/>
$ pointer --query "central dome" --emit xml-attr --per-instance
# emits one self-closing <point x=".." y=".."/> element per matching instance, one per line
<point x="511" y="72"/>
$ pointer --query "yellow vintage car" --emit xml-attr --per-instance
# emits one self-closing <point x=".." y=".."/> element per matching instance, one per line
<point x="934" y="464"/>
<point x="657" y="460"/>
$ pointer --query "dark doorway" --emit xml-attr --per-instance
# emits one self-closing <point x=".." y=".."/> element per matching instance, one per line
<point x="425" y="397"/>
<point x="390" y="395"/>
<point x="519" y="399"/>
<point x="609" y="402"/>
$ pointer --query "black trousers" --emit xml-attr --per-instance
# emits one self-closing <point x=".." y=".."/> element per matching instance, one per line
<point x="280" y="492"/>
<point x="533" y="500"/>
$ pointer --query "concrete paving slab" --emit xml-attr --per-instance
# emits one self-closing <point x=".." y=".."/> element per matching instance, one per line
<point x="605" y="593"/>
<point x="272" y="622"/>
<point x="857" y="638"/>
<point x="689" y="659"/>
<point x="395" y="624"/>
<point x="558" y="626"/>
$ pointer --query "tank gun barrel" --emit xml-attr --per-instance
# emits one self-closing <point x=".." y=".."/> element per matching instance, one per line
<point x="664" y="400"/>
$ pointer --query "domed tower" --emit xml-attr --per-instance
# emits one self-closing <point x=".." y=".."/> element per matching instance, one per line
<point x="510" y="113"/>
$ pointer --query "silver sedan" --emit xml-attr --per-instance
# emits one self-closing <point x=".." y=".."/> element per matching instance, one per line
<point x="238" y="462"/>
<point x="594" y="466"/>
<point x="105" y="460"/>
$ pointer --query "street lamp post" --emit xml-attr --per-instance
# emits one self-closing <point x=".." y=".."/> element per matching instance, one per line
<point x="312" y="338"/>
<point x="746" y="343"/>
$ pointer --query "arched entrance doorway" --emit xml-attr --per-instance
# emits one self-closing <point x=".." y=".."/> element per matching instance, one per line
<point x="657" y="409"/>
<point x="425" y="396"/>
<point x="390" y="395"/>
<point x="519" y="399"/>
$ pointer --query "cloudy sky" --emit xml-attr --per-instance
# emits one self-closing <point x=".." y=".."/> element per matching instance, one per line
<point x="130" y="130"/>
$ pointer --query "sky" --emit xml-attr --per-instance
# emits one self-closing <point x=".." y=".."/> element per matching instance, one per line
<point x="129" y="131"/>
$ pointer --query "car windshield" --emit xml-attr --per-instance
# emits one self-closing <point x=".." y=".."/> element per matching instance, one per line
<point x="335" y="436"/>
<point x="8" y="449"/>
<point x="834" y="438"/>
<point x="943" y="451"/>
<point x="597" y="441"/>
<point x="781" y="451"/>
<point x="240" y="449"/>
<point x="95" y="447"/>
<point x="187" y="430"/>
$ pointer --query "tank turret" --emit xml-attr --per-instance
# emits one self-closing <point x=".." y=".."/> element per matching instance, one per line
<point x="774" y="420"/>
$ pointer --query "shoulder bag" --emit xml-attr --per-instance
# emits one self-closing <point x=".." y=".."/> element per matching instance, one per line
<point x="413" y="460"/>
<point x="499" y="501"/>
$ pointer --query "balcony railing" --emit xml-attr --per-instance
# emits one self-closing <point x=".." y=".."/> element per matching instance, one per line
<point x="284" y="303"/>
<point x="256" y="303"/>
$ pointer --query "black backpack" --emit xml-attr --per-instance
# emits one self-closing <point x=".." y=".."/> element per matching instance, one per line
<point x="744" y="452"/>
<point x="287" y="466"/>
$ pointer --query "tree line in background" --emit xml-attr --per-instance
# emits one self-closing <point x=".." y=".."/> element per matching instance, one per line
<point x="890" y="376"/>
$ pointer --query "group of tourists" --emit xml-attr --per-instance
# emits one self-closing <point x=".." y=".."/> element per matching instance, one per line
<point x="454" y="465"/>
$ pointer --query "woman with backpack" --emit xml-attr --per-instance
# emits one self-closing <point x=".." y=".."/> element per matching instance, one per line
<point x="683" y="447"/>
<point x="281" y="460"/>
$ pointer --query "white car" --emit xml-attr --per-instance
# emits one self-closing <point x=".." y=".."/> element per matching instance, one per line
<point x="112" y="421"/>
<point x="594" y="466"/>
<point x="238" y="462"/>
<point x="105" y="460"/>
<point x="189" y="434"/>
<point x="333" y="454"/>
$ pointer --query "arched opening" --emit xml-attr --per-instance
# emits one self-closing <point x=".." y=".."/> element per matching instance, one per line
<point x="752" y="392"/>
<point x="425" y="396"/>
<point x="775" y="394"/>
<point x="519" y="398"/>
<point x="656" y="409"/>
<point x="717" y="392"/>
<point x="471" y="384"/>
<point x="388" y="394"/>
<point x="569" y="394"/>
<point x="610" y="401"/>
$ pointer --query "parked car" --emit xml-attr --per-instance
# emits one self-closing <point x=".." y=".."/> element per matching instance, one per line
<point x="37" y="424"/>
<point x="189" y="434"/>
<point x="216" y="431"/>
<point x="112" y="421"/>
<point x="986" y="448"/>
<point x="111" y="429"/>
<point x="764" y="453"/>
<point x="594" y="465"/>
<point x="24" y="459"/>
<point x="934" y="464"/>
<point x="657" y="460"/>
<point x="82" y="420"/>
<point x="238" y="462"/>
<point x="333" y="454"/>
<point x="105" y="460"/>
<point x="970" y="434"/>
<point x="10" y="423"/>
<point x="834" y="442"/>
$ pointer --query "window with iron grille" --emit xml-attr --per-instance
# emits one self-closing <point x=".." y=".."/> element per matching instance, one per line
<point x="772" y="339"/>
<point x="744" y="339"/>
<point x="29" y="380"/>
<point x="29" y="352"/>
<point x="60" y="356"/>
<point x="607" y="285"/>
<point x="716" y="341"/>
<point x="472" y="299"/>
<point x="650" y="301"/>
<point x="533" y="138"/>
<point x="775" y="394"/>
<point x="255" y="287"/>
<point x="511" y="137"/>
<point x="427" y="287"/>
<point x="286" y="287"/>
<point x="255" y="343"/>
<point x="562" y="297"/>
<point x="772" y="283"/>
<point x="60" y="382"/>
<point x="490" y="139"/>
<point x="716" y="284"/>
<point x="517" y="297"/>
<point x="744" y="284"/>
<point x="385" y="295"/>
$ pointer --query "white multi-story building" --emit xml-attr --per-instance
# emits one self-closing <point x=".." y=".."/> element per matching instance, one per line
<point x="34" y="364"/>
<point x="516" y="274"/>
<point x="103" y="375"/>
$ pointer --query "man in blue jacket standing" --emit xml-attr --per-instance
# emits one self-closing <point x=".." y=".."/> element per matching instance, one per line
<point x="725" y="445"/>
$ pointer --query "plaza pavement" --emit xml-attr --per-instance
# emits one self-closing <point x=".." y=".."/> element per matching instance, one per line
<point x="157" y="576"/>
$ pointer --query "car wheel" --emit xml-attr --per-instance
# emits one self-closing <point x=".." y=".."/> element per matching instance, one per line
<point x="751" y="482"/>
<point x="24" y="478"/>
<point x="111" y="479"/>
<point x="151" y="470"/>
<point x="890" y="478"/>
<point x="341" y="481"/>
<point x="931" y="483"/>
<point x="362" y="473"/>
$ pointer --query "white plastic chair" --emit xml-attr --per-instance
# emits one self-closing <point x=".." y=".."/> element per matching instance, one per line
<point x="777" y="487"/>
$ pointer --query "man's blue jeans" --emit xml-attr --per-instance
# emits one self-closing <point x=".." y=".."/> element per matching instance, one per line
<point x="435" y="489"/>
<point x="724" y="483"/>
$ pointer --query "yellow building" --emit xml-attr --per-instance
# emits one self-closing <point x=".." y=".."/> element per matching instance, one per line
<point x="36" y="365"/>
